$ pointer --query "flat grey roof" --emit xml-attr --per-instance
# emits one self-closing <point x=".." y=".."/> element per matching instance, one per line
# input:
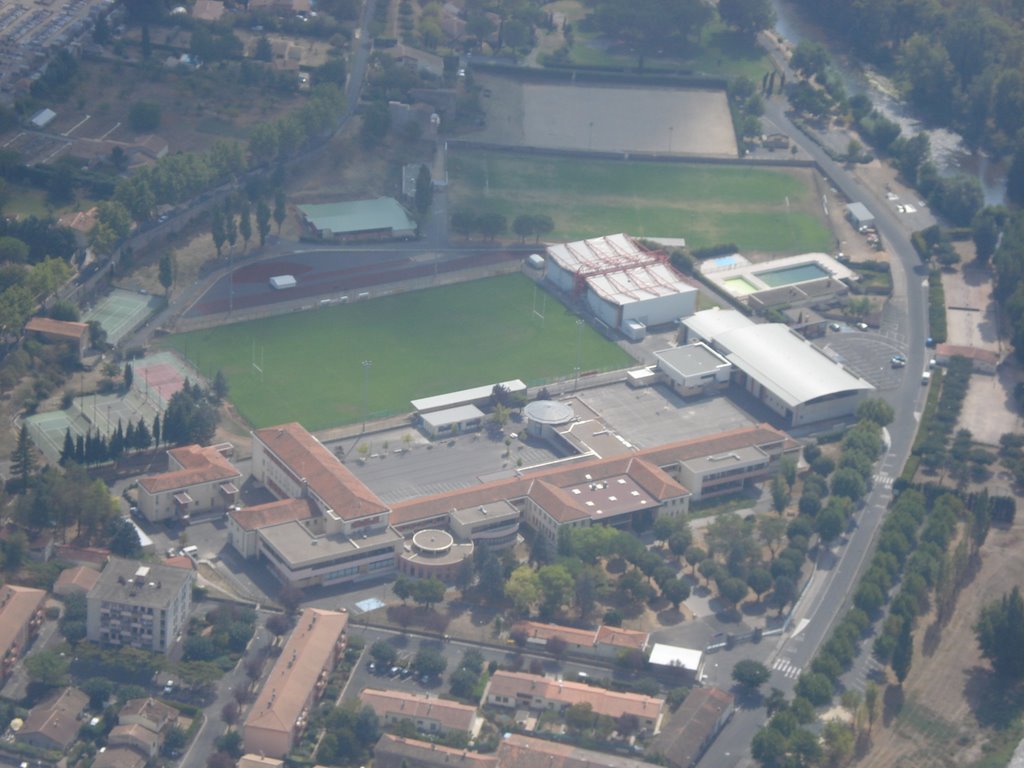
<point x="136" y="583"/>
<point x="692" y="359"/>
<point x="454" y="415"/>
<point x="860" y="212"/>
<point x="296" y="544"/>
<point x="725" y="460"/>
<point x="463" y="396"/>
<point x="493" y="511"/>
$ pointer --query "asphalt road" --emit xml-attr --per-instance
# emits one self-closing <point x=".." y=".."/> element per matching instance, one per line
<point x="829" y="592"/>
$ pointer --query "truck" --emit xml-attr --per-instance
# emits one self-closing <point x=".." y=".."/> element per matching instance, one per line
<point x="282" y="282"/>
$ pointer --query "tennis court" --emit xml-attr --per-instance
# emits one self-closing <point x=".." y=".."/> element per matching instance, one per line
<point x="121" y="312"/>
<point x="156" y="379"/>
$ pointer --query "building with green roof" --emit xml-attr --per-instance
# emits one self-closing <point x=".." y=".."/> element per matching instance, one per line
<point x="382" y="218"/>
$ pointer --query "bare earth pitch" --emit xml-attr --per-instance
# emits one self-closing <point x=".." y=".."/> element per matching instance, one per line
<point x="607" y="118"/>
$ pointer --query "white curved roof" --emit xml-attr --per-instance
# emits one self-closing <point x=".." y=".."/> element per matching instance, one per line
<point x="791" y="367"/>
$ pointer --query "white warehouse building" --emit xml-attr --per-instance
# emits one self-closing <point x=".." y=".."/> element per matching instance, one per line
<point x="779" y="367"/>
<point x="623" y="284"/>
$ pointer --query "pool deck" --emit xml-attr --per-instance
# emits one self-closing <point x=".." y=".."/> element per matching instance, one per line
<point x="721" y="276"/>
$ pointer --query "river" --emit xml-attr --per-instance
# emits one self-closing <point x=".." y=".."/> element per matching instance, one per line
<point x="949" y="151"/>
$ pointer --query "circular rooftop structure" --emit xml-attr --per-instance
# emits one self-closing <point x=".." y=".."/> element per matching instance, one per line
<point x="549" y="412"/>
<point x="432" y="543"/>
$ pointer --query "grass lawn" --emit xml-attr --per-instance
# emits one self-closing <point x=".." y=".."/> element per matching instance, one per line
<point x="25" y="201"/>
<point x="705" y="204"/>
<point x="420" y="344"/>
<point x="722" y="53"/>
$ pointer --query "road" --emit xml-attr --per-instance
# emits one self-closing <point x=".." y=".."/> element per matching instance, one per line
<point x="828" y="594"/>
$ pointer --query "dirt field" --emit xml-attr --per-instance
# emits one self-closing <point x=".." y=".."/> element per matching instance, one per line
<point x="971" y="313"/>
<point x="944" y="693"/>
<point x="989" y="409"/>
<point x="675" y="121"/>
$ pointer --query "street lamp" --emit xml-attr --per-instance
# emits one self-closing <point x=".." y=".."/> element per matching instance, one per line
<point x="366" y="390"/>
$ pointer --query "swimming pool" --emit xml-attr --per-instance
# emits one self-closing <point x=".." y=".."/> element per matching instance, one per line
<point x="799" y="273"/>
<point x="734" y="260"/>
<point x="739" y="286"/>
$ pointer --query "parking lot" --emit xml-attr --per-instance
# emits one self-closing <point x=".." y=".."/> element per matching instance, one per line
<point x="869" y="355"/>
<point x="453" y="650"/>
<point x="656" y="415"/>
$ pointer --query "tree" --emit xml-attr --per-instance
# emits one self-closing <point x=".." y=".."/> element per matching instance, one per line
<point x="23" y="460"/>
<point x="828" y="525"/>
<point x="676" y="591"/>
<point x="523" y="588"/>
<point x="759" y="580"/>
<point x="48" y="667"/>
<point x="1000" y="634"/>
<point x="427" y="592"/>
<point x="903" y="653"/>
<point x="125" y="541"/>
<point x="174" y="740"/>
<point x="768" y="746"/>
<point x="167" y="271"/>
<point x="384" y="653"/>
<point x="733" y="590"/>
<point x="67" y="452"/>
<point x="290" y="598"/>
<point x="491" y="225"/>
<point x="747" y="16"/>
<point x="429" y="662"/>
<point x="876" y="410"/>
<point x="245" y="225"/>
<point x="424" y="189"/>
<point x="220" y="385"/>
<point x="556" y="585"/>
<point x="695" y="556"/>
<point x="649" y="25"/>
<point x="750" y="674"/>
<point x="580" y="717"/>
<point x="280" y="211"/>
<point x="376" y="124"/>
<point x="217" y="230"/>
<point x="262" y="221"/>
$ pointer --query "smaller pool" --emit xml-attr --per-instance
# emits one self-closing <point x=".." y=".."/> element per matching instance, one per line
<point x="735" y="260"/>
<point x="799" y="273"/>
<point x="739" y="286"/>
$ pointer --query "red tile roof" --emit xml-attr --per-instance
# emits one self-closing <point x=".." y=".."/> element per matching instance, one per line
<point x="80" y="578"/>
<point x="199" y="466"/>
<point x="61" y="328"/>
<point x="326" y="477"/>
<point x="274" y="513"/>
<point x="450" y="715"/>
<point x="601" y="700"/>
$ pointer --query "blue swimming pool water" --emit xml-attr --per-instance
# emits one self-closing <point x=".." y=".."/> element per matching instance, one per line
<point x="800" y="273"/>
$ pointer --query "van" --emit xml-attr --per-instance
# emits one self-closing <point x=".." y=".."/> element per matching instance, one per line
<point x="191" y="551"/>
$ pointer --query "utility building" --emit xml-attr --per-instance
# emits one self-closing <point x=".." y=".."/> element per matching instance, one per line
<point x="622" y="283"/>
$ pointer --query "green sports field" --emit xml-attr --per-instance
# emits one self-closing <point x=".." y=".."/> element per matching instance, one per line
<point x="706" y="204"/>
<point x="419" y="344"/>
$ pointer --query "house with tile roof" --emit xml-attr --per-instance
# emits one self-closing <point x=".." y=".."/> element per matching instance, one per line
<point x="199" y="479"/>
<point x="21" y="616"/>
<point x="606" y="642"/>
<point x="428" y="713"/>
<point x="281" y="710"/>
<point x="78" y="579"/>
<point x="520" y="690"/>
<point x="54" y="723"/>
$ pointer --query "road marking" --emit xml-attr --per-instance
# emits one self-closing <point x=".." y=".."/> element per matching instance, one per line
<point x="77" y="125"/>
<point x="883" y="479"/>
<point x="787" y="668"/>
<point x="800" y="627"/>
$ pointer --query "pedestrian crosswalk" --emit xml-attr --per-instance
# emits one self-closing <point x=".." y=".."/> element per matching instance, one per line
<point x="787" y="668"/>
<point x="883" y="479"/>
